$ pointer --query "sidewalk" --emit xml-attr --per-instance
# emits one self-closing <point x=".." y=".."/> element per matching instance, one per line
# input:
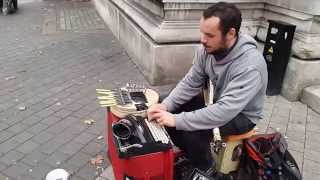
<point x="54" y="54"/>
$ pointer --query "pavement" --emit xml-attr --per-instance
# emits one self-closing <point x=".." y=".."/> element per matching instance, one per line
<point x="53" y="55"/>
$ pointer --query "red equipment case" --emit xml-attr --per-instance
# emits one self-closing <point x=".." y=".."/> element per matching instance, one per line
<point x="153" y="166"/>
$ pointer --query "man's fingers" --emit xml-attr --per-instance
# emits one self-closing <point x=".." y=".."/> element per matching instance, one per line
<point x="156" y="116"/>
<point x="162" y="123"/>
<point x="152" y="111"/>
<point x="160" y="120"/>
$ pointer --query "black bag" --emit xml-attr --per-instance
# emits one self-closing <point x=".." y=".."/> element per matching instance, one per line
<point x="266" y="157"/>
<point x="184" y="170"/>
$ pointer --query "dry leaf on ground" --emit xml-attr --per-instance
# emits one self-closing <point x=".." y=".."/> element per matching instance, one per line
<point x="97" y="161"/>
<point x="89" y="121"/>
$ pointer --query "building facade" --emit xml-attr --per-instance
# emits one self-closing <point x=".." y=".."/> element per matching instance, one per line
<point x="161" y="35"/>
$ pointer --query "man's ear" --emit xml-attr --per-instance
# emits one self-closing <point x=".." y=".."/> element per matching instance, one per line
<point x="231" y="33"/>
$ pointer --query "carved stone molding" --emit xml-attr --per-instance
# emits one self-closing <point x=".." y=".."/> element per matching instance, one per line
<point x="160" y="35"/>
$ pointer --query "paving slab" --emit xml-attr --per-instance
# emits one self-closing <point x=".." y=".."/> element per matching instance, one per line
<point x="54" y="54"/>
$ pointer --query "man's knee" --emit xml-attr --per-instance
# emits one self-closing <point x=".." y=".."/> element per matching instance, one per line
<point x="238" y="125"/>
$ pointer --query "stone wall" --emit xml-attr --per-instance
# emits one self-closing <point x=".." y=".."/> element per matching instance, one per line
<point x="161" y="35"/>
<point x="302" y="68"/>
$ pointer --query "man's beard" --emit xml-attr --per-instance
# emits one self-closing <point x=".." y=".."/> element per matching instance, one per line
<point x="222" y="49"/>
<point x="219" y="51"/>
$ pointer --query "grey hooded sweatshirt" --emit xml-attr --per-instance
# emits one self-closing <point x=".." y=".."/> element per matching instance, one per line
<point x="240" y="81"/>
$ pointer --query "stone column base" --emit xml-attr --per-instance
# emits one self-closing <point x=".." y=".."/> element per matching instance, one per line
<point x="299" y="75"/>
<point x="160" y="63"/>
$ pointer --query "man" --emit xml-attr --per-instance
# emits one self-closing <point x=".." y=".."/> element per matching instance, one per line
<point x="237" y="72"/>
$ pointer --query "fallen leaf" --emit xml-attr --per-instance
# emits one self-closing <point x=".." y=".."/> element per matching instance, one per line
<point x="97" y="161"/>
<point x="89" y="121"/>
<point x="10" y="78"/>
<point x="22" y="108"/>
<point x="100" y="137"/>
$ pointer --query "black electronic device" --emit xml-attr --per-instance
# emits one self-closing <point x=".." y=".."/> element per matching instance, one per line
<point x="277" y="52"/>
<point x="135" y="135"/>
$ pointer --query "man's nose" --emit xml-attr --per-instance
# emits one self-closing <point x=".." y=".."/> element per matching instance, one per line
<point x="203" y="39"/>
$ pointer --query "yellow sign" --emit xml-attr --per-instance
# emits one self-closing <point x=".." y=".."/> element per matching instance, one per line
<point x="270" y="50"/>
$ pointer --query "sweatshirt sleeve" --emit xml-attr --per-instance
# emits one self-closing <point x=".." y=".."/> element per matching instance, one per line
<point x="239" y="92"/>
<point x="189" y="86"/>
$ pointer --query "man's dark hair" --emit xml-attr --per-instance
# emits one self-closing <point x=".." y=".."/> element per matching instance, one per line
<point x="229" y="15"/>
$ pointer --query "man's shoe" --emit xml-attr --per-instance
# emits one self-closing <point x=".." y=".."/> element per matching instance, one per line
<point x="218" y="175"/>
<point x="222" y="176"/>
<point x="182" y="168"/>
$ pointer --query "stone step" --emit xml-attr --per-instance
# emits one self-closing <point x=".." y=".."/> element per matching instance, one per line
<point x="311" y="97"/>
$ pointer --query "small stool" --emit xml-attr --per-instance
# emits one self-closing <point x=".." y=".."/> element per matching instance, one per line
<point x="227" y="159"/>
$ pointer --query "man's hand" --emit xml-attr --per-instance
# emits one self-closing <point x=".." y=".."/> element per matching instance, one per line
<point x="164" y="118"/>
<point x="154" y="108"/>
<point x="158" y="113"/>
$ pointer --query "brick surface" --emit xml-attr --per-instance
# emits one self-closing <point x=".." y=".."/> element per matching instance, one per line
<point x="87" y="172"/>
<point x="3" y="166"/>
<point x="58" y="64"/>
<point x="40" y="171"/>
<point x="8" y="145"/>
<point x="79" y="159"/>
<point x="34" y="158"/>
<point x="64" y="137"/>
<point x="27" y="147"/>
<point x="11" y="158"/>
<point x="17" y="128"/>
<point x="84" y="138"/>
<point x="51" y="120"/>
<point x="37" y="128"/>
<point x="63" y="113"/>
<point x="76" y="129"/>
<point x="31" y="120"/>
<point x="71" y="148"/>
<point x="50" y="146"/>
<point x="56" y="159"/>
<point x="42" y="137"/>
<point x="93" y="148"/>
<point x="16" y="170"/>
<point x="58" y="127"/>
<point x="5" y="135"/>
<point x="3" y="126"/>
<point x="71" y="168"/>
